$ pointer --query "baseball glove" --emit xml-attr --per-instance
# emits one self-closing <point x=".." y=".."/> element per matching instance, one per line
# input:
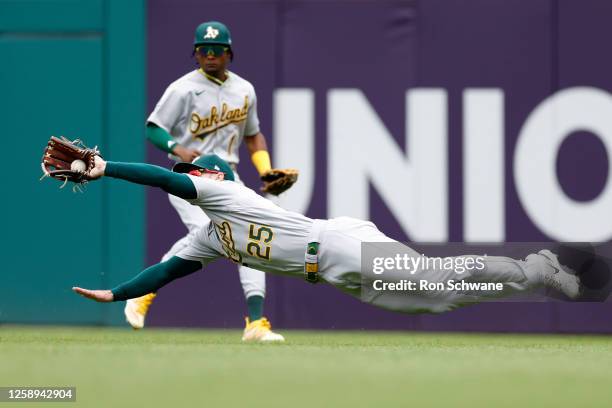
<point x="277" y="181"/>
<point x="59" y="158"/>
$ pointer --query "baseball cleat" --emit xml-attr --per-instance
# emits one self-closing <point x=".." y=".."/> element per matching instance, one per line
<point x="560" y="277"/>
<point x="260" y="330"/>
<point x="136" y="310"/>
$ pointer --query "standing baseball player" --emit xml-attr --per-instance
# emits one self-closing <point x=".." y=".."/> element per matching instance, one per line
<point x="250" y="230"/>
<point x="210" y="110"/>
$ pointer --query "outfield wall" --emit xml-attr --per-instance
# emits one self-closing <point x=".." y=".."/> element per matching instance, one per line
<point x="73" y="68"/>
<point x="478" y="72"/>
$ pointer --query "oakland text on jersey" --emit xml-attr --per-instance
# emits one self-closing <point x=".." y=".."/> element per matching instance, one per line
<point x="203" y="125"/>
<point x="229" y="247"/>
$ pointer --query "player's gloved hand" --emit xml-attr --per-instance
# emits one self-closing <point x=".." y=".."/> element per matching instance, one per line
<point x="185" y="154"/>
<point x="277" y="181"/>
<point x="67" y="160"/>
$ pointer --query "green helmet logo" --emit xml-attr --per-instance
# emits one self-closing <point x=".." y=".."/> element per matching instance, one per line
<point x="212" y="32"/>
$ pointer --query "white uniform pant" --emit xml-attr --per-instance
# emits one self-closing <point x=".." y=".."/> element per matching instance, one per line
<point x="340" y="265"/>
<point x="253" y="281"/>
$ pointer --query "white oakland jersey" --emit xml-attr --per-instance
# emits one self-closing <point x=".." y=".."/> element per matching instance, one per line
<point x="210" y="116"/>
<point x="248" y="229"/>
<point x="251" y="230"/>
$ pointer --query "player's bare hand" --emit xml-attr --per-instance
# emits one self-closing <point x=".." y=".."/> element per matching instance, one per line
<point x="185" y="154"/>
<point x="98" y="170"/>
<point x="97" y="295"/>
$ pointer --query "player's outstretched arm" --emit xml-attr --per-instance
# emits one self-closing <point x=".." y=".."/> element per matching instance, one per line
<point x="148" y="281"/>
<point x="174" y="183"/>
<point x="103" y="296"/>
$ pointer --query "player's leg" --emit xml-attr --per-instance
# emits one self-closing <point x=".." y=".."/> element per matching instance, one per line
<point x="257" y="327"/>
<point x="254" y="287"/>
<point x="193" y="218"/>
<point x="341" y="266"/>
<point x="515" y="275"/>
<point x="538" y="269"/>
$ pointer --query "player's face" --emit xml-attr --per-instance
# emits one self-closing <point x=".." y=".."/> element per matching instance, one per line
<point x="213" y="175"/>
<point x="209" y="174"/>
<point x="213" y="59"/>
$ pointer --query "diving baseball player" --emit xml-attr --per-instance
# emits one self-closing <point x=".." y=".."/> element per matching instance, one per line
<point x="250" y="230"/>
<point x="210" y="110"/>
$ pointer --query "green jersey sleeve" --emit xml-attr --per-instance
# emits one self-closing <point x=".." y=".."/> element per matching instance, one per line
<point x="160" y="138"/>
<point x="177" y="184"/>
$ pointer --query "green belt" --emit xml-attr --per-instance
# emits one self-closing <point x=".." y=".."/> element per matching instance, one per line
<point x="311" y="263"/>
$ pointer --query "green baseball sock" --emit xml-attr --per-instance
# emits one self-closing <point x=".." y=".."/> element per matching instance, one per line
<point x="255" y="307"/>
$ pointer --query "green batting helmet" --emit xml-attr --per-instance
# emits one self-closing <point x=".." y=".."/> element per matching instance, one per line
<point x="212" y="32"/>
<point x="208" y="162"/>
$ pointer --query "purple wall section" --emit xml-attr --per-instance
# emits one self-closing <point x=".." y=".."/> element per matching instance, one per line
<point x="529" y="48"/>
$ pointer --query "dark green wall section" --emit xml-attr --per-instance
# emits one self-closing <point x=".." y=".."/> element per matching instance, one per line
<point x="73" y="68"/>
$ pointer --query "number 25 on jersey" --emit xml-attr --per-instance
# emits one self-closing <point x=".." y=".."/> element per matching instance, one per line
<point x="260" y="237"/>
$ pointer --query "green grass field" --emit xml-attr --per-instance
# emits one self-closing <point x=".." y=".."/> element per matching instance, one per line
<point x="188" y="368"/>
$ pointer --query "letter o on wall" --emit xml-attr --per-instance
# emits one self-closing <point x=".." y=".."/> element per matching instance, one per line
<point x="556" y="214"/>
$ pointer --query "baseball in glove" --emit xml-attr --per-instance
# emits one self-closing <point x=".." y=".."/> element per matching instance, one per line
<point x="67" y="160"/>
<point x="277" y="181"/>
